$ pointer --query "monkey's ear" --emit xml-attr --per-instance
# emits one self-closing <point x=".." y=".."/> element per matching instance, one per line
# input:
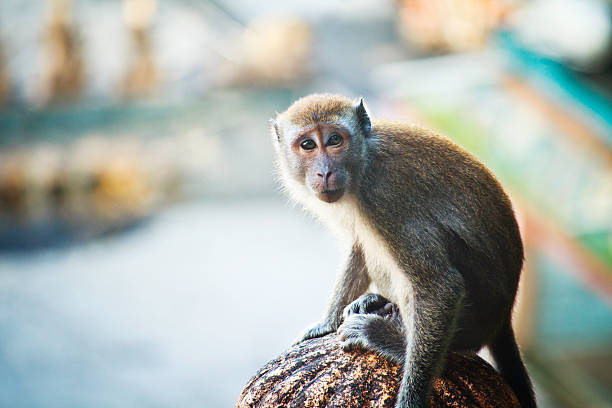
<point x="274" y="125"/>
<point x="363" y="118"/>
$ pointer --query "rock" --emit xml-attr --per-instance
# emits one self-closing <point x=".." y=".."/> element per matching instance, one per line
<point x="317" y="373"/>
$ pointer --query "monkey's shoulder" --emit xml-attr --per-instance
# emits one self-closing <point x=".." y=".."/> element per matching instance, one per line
<point x="413" y="170"/>
<point x="409" y="150"/>
<point x="408" y="140"/>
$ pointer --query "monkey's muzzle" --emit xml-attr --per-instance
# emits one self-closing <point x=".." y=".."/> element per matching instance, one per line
<point x="330" y="196"/>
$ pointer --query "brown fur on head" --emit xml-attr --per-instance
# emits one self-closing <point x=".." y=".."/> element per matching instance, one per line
<point x="319" y="142"/>
<point x="318" y="108"/>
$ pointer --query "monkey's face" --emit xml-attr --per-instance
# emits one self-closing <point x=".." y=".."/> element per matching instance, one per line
<point x="321" y="153"/>
<point x="319" y="142"/>
<point x="319" y="156"/>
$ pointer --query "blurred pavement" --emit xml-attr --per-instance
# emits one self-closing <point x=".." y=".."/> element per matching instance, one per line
<point x="165" y="315"/>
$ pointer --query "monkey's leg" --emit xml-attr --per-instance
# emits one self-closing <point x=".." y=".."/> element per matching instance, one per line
<point x="351" y="283"/>
<point x="430" y="321"/>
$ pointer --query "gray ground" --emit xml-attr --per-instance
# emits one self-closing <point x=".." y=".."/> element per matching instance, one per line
<point x="177" y="313"/>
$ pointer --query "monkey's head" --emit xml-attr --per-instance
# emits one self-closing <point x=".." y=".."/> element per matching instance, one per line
<point x="320" y="143"/>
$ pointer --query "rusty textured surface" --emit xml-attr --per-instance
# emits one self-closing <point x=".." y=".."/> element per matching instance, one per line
<point x="316" y="373"/>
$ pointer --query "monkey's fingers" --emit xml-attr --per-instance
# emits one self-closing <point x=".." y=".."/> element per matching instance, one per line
<point x="370" y="303"/>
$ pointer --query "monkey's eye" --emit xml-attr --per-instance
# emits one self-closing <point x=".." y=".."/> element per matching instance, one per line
<point x="308" y="144"/>
<point x="334" y="140"/>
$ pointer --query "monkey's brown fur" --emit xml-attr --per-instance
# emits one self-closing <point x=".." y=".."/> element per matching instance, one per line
<point x="308" y="110"/>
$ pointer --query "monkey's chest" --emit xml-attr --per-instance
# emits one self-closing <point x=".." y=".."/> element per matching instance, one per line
<point x="390" y="280"/>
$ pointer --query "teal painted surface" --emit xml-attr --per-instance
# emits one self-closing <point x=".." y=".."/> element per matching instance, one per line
<point x="528" y="64"/>
<point x="569" y="314"/>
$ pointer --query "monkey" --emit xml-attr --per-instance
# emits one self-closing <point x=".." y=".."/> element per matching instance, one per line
<point x="426" y="224"/>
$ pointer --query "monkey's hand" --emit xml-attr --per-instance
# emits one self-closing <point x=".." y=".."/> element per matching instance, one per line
<point x="373" y="303"/>
<point x="318" y="330"/>
<point x="373" y="323"/>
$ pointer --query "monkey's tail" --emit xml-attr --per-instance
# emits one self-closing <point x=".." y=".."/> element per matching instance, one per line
<point x="508" y="358"/>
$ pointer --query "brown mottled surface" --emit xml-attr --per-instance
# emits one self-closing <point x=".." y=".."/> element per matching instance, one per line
<point x="316" y="373"/>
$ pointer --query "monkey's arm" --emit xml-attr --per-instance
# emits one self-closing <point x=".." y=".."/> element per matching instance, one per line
<point x="352" y="282"/>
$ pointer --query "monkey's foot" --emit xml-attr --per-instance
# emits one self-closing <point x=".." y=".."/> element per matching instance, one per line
<point x="376" y="333"/>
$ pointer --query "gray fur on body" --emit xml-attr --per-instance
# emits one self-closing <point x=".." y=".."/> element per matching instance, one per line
<point x="431" y="227"/>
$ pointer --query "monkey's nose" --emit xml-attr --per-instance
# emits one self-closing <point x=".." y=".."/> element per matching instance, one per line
<point x="325" y="175"/>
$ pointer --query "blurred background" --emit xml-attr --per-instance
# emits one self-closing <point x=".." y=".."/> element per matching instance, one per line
<point x="147" y="258"/>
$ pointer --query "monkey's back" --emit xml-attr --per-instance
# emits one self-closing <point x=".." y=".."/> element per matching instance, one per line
<point x="428" y="184"/>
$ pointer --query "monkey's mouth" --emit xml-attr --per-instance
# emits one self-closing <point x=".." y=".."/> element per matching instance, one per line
<point x="330" y="196"/>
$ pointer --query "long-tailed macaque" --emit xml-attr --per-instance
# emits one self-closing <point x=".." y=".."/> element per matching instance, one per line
<point x="428" y="224"/>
